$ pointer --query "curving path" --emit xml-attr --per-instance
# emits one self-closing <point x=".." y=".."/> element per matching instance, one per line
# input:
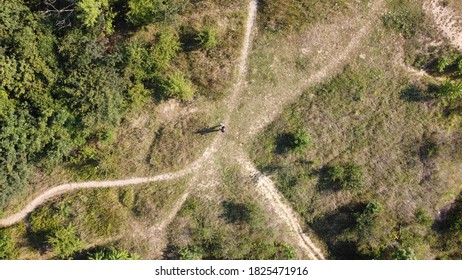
<point x="265" y="186"/>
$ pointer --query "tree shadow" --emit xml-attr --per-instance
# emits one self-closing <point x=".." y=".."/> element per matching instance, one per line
<point x="325" y="182"/>
<point x="332" y="225"/>
<point x="237" y="213"/>
<point x="188" y="40"/>
<point x="284" y="142"/>
<point x="419" y="93"/>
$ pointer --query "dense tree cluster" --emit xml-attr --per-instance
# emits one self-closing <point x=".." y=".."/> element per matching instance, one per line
<point x="62" y="80"/>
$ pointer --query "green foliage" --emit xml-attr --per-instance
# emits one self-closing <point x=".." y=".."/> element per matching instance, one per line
<point x="367" y="218"/>
<point x="7" y="246"/>
<point x="143" y="12"/>
<point x="241" y="234"/>
<point x="451" y="60"/>
<point x="451" y="90"/>
<point x="450" y="93"/>
<point x="178" y="86"/>
<point x="165" y="49"/>
<point x="112" y="254"/>
<point x="208" y="38"/>
<point x="404" y="254"/>
<point x="301" y="141"/>
<point x="189" y="207"/>
<point x="347" y="176"/>
<point x="64" y="242"/>
<point x="190" y="253"/>
<point x="404" y="18"/>
<point x="90" y="10"/>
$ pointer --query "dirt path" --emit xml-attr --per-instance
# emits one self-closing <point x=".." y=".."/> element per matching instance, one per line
<point x="447" y="21"/>
<point x="267" y="189"/>
<point x="233" y="103"/>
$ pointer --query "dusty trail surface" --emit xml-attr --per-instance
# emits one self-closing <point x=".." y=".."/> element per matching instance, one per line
<point x="240" y="105"/>
<point x="447" y="21"/>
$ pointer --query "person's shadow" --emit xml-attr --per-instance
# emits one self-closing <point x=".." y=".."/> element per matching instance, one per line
<point x="208" y="130"/>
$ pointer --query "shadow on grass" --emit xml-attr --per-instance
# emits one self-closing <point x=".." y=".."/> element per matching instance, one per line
<point x="284" y="143"/>
<point x="208" y="130"/>
<point x="419" y="93"/>
<point x="332" y="226"/>
<point x="325" y="183"/>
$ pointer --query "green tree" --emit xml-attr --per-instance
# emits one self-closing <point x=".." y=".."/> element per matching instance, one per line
<point x="90" y="10"/>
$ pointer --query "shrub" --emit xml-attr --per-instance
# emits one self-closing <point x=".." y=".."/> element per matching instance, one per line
<point x="192" y="252"/>
<point x="7" y="247"/>
<point x="178" y="86"/>
<point x="112" y="254"/>
<point x="452" y="59"/>
<point x="346" y="176"/>
<point x="208" y="38"/>
<point x="301" y="141"/>
<point x="64" y="242"/>
<point x="366" y="218"/>
<point x="451" y="90"/>
<point x="165" y="49"/>
<point x="404" y="254"/>
<point x="142" y="12"/>
<point x="404" y="17"/>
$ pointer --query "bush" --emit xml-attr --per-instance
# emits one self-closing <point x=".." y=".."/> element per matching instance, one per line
<point x="404" y="17"/>
<point x="142" y="12"/>
<point x="7" y="247"/>
<point x="64" y="242"/>
<point x="404" y="254"/>
<point x="192" y="252"/>
<point x="178" y="86"/>
<point x="301" y="141"/>
<point x="208" y="38"/>
<point x="346" y="176"/>
<point x="112" y="254"/>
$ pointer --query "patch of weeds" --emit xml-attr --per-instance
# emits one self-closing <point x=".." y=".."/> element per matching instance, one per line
<point x="405" y="17"/>
<point x="189" y="206"/>
<point x="7" y="246"/>
<point x="208" y="38"/>
<point x="348" y="176"/>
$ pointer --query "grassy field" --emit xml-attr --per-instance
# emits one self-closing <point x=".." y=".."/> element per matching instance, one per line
<point x="227" y="221"/>
<point x="380" y="158"/>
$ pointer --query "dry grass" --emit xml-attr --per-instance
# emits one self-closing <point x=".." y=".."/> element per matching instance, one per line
<point x="359" y="116"/>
